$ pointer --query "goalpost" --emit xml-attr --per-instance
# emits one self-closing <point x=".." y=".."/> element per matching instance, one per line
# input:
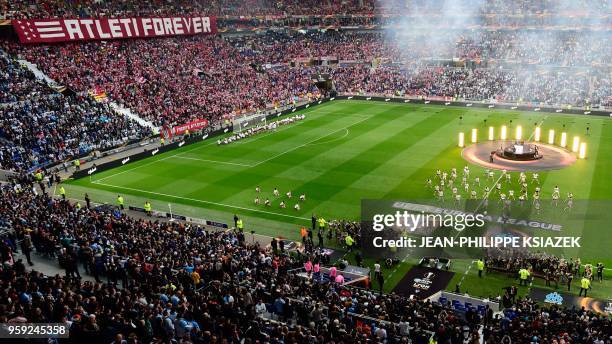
<point x="245" y="122"/>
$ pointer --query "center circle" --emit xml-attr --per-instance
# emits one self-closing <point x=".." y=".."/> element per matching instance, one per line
<point x="552" y="157"/>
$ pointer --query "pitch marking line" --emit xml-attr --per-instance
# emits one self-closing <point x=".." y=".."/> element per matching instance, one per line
<point x="466" y="272"/>
<point x="213" y="161"/>
<point x="309" y="142"/>
<point x="332" y="140"/>
<point x="133" y="168"/>
<point x="153" y="162"/>
<point x="200" y="201"/>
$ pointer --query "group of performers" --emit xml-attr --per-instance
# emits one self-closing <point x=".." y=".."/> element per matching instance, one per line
<point x="277" y="194"/>
<point x="259" y="129"/>
<point x="444" y="182"/>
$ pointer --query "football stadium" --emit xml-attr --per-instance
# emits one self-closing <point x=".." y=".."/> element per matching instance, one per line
<point x="337" y="171"/>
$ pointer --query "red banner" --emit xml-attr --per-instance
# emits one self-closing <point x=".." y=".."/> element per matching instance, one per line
<point x="191" y="126"/>
<point x="62" y="30"/>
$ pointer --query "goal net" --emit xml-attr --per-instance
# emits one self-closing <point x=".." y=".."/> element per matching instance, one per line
<point x="245" y="122"/>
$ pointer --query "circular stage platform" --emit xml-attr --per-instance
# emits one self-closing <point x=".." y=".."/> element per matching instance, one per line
<point x="527" y="156"/>
<point x="519" y="151"/>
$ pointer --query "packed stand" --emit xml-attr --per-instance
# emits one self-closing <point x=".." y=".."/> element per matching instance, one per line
<point x="174" y="80"/>
<point x="40" y="126"/>
<point x="199" y="285"/>
<point x="17" y="83"/>
<point x="88" y="8"/>
<point x="171" y="281"/>
<point x="83" y="8"/>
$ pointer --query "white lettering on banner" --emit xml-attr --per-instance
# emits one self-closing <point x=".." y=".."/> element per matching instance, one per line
<point x="187" y="22"/>
<point x="126" y="26"/>
<point x="168" y="26"/>
<point x="60" y="30"/>
<point x="146" y="26"/>
<point x="193" y="125"/>
<point x="178" y="27"/>
<point x="88" y="23"/>
<point x="135" y="25"/>
<point x="158" y="26"/>
<point x="206" y="23"/>
<point x="115" y="28"/>
<point x="101" y="33"/>
<point x="73" y="28"/>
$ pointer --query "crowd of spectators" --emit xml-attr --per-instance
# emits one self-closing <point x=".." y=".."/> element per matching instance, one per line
<point x="528" y="322"/>
<point x="549" y="48"/>
<point x="83" y="8"/>
<point x="87" y="8"/>
<point x="17" y="83"/>
<point x="173" y="80"/>
<point x="159" y="281"/>
<point x="40" y="126"/>
<point x="281" y="47"/>
<point x="533" y="86"/>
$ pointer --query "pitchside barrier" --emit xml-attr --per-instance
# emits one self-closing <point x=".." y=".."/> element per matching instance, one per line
<point x="174" y="216"/>
<point x="274" y="114"/>
<point x="87" y="156"/>
<point x="480" y="104"/>
<point x="463" y="302"/>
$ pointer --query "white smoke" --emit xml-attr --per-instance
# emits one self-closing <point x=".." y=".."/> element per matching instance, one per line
<point x="554" y="51"/>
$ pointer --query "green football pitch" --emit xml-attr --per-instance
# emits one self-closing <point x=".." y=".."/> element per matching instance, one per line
<point x="345" y="151"/>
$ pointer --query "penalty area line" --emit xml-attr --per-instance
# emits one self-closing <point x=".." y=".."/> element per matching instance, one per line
<point x="131" y="169"/>
<point x="332" y="140"/>
<point x="199" y="200"/>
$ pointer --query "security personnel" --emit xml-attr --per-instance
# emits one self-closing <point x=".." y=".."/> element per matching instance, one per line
<point x="523" y="276"/>
<point x="322" y="223"/>
<point x="349" y="242"/>
<point x="240" y="225"/>
<point x="187" y="132"/>
<point x="120" y="202"/>
<point x="77" y="164"/>
<point x="62" y="192"/>
<point x="38" y="176"/>
<point x="480" y="264"/>
<point x="147" y="208"/>
<point x="162" y="141"/>
<point x="585" y="284"/>
<point x="78" y="206"/>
